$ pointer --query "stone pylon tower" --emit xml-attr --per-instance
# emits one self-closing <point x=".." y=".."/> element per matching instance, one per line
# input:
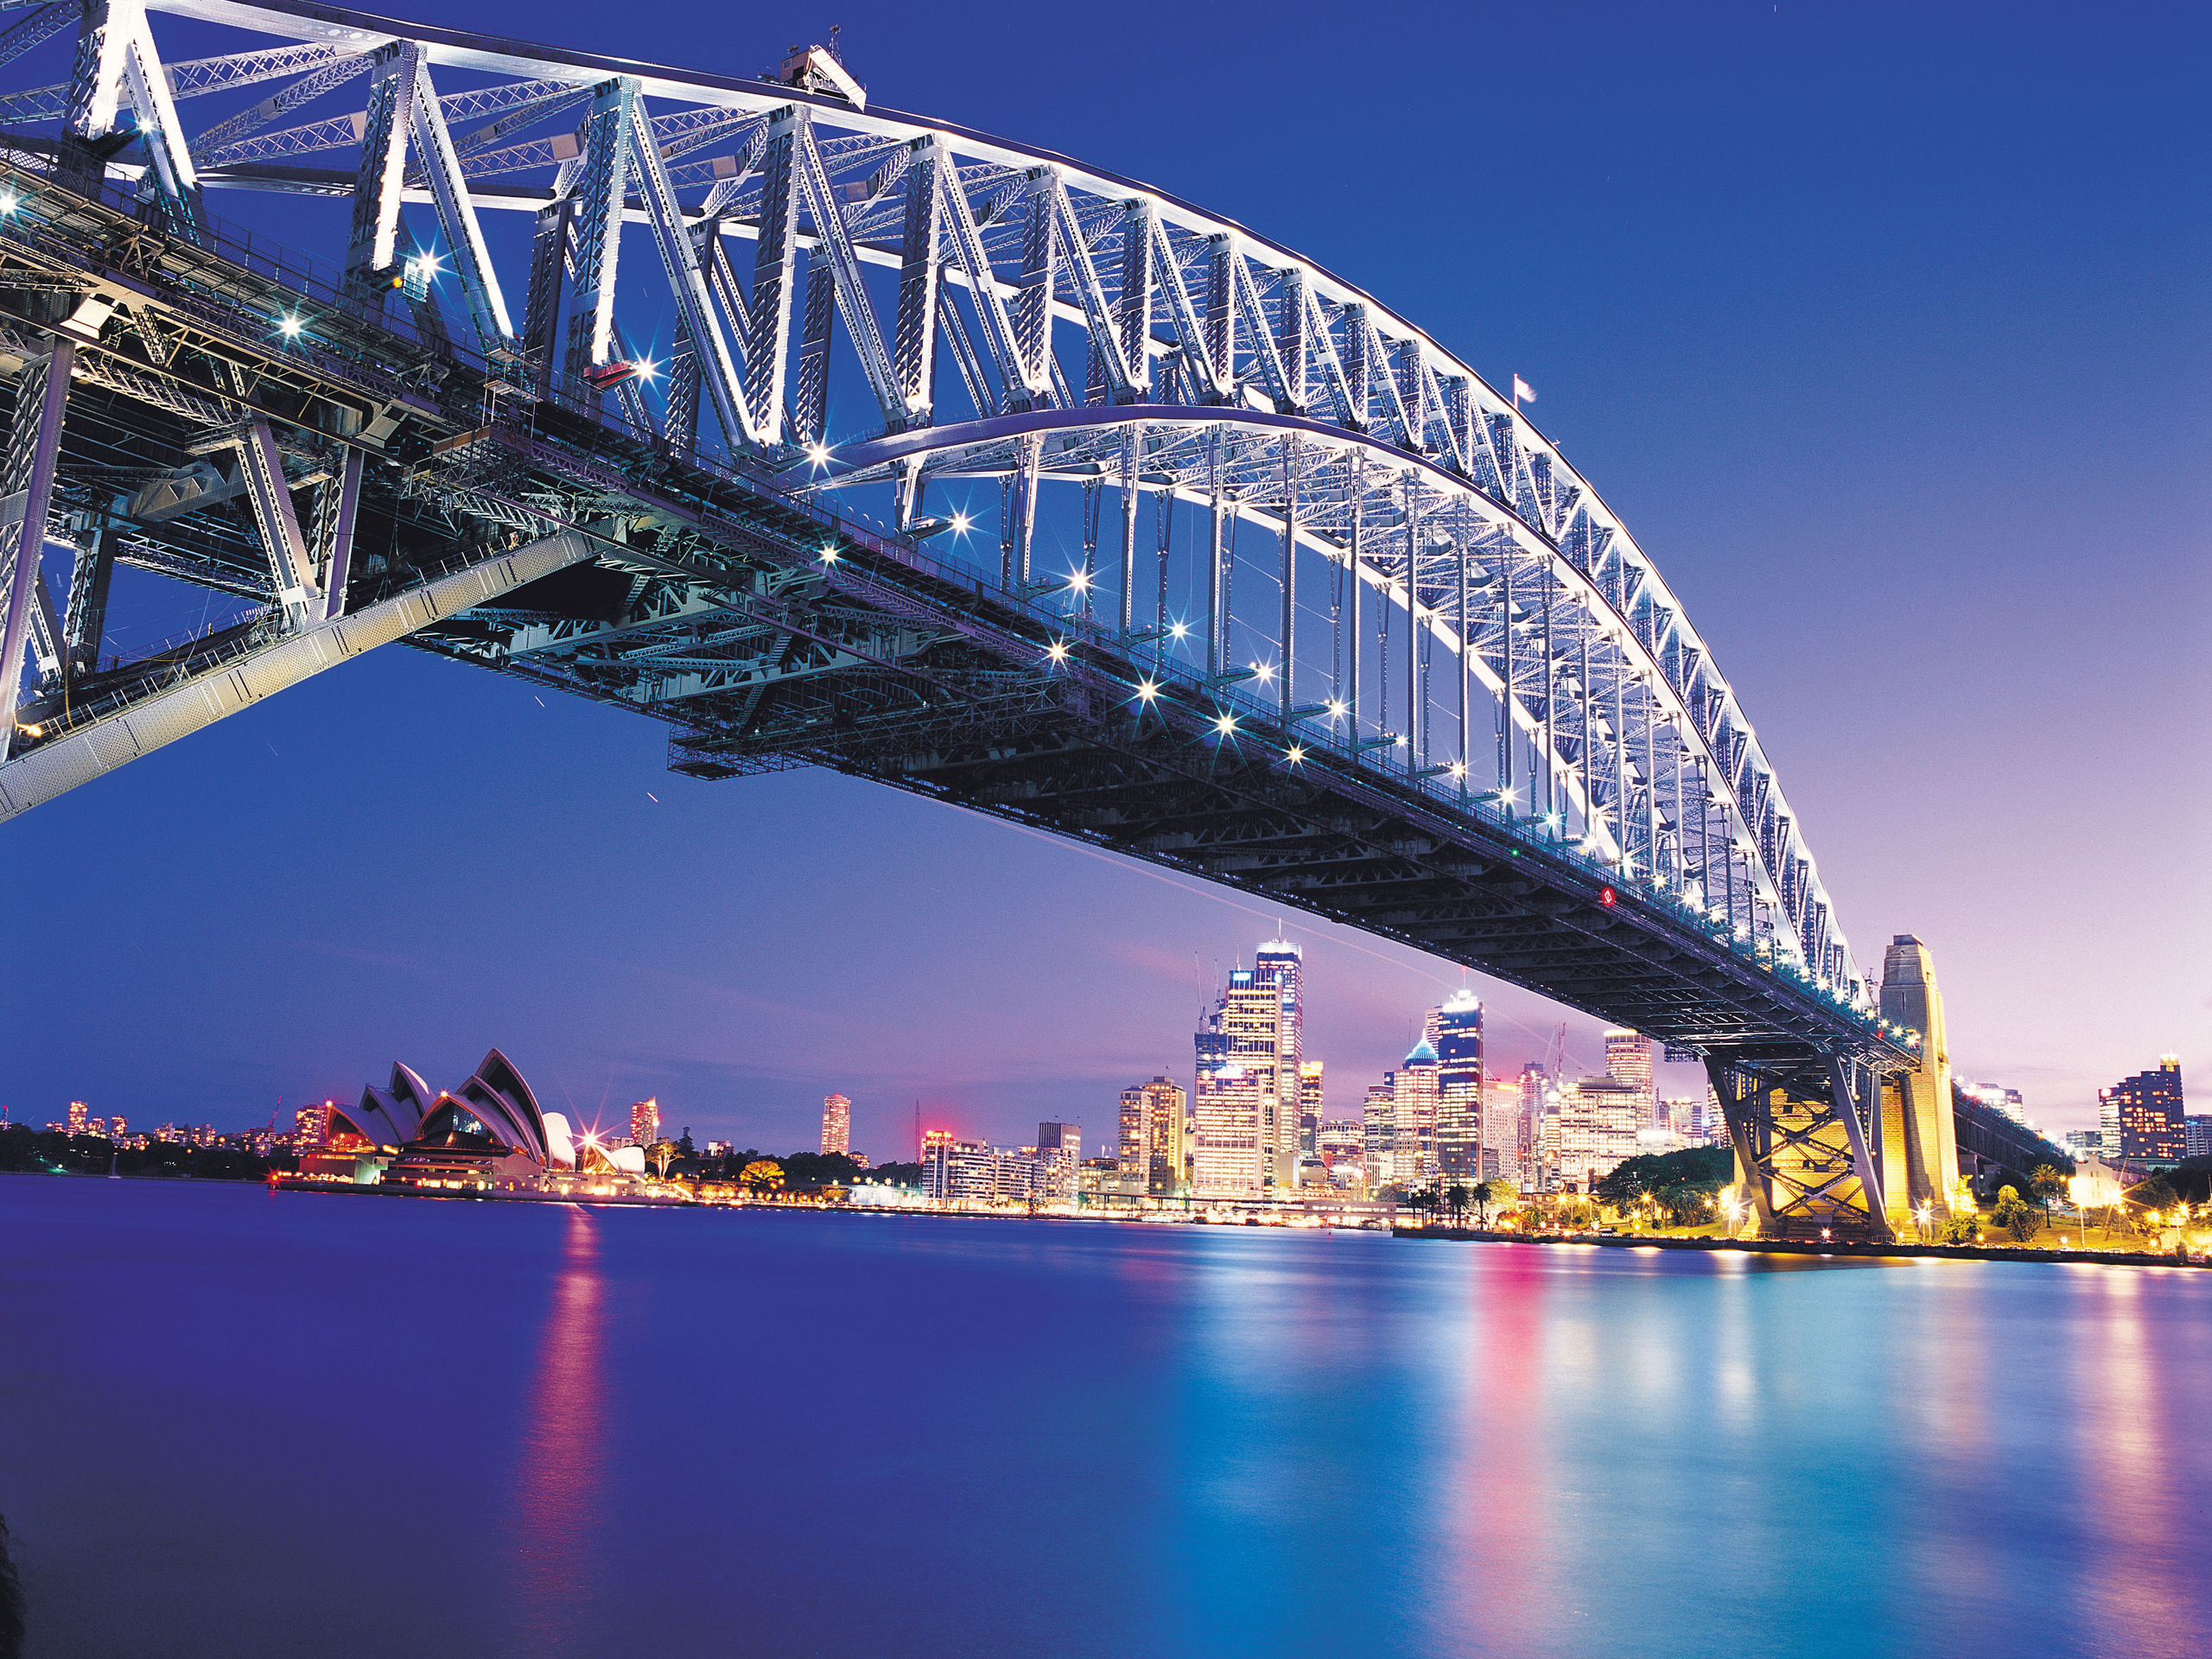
<point x="1920" y="1136"/>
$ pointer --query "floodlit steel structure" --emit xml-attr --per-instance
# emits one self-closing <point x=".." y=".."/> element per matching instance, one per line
<point x="970" y="469"/>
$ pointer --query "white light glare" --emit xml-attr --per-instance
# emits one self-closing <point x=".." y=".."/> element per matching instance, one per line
<point x="289" y="327"/>
<point x="647" y="369"/>
<point x="10" y="202"/>
<point x="1336" y="711"/>
<point x="961" y="521"/>
<point x="1295" y="753"/>
<point x="1077" y="581"/>
<point x="1059" y="652"/>
<point x="1226" y="725"/>
<point x="1179" y="630"/>
<point x="818" y="453"/>
<point x="1458" y="768"/>
<point x="1147" y="691"/>
<point x="1265" y="672"/>
<point x="829" y="553"/>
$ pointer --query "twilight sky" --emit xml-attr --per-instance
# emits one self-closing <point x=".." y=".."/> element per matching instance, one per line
<point x="1884" y="326"/>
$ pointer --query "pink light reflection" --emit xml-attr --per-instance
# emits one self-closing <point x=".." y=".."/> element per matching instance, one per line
<point x="563" y="1454"/>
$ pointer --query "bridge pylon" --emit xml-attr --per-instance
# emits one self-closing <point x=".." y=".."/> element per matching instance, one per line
<point x="1802" y="1129"/>
<point x="1920" y="1136"/>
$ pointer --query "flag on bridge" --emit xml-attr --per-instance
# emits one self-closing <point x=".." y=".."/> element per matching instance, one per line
<point x="1521" y="389"/>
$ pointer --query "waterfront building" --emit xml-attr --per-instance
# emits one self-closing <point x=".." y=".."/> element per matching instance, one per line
<point x="1628" y="1060"/>
<point x="78" y="1112"/>
<point x="961" y="1171"/>
<point x="1310" y="1106"/>
<point x="311" y="1125"/>
<point x="1152" y="1152"/>
<point x="1502" y="1129"/>
<point x="1278" y="967"/>
<point x="2197" y="1136"/>
<point x="1378" y="1127"/>
<point x="1456" y="1034"/>
<point x="836" y="1124"/>
<point x="645" y="1121"/>
<point x="1413" y="1117"/>
<point x="1060" y="1147"/>
<point x="1591" y="1129"/>
<point x="1227" y="1153"/>
<point x="1535" y="1085"/>
<point x="489" y="1132"/>
<point x="2146" y="1114"/>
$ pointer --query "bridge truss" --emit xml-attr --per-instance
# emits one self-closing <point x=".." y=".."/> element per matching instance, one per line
<point x="827" y="435"/>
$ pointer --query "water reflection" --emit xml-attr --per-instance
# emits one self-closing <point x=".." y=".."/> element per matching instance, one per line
<point x="557" y="1485"/>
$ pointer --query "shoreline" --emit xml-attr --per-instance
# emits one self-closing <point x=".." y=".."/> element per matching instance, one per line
<point x="1895" y="1251"/>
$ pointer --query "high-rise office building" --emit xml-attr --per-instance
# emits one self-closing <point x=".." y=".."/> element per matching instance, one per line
<point x="1226" y="1155"/>
<point x="1309" y="1107"/>
<point x="1151" y="1151"/>
<point x="837" y="1123"/>
<point x="311" y="1125"/>
<point x="78" y="1112"/>
<point x="1278" y="966"/>
<point x="1589" y="1129"/>
<point x="1502" y="1129"/>
<point x="2196" y="1135"/>
<point x="1628" y="1059"/>
<point x="1414" y="1115"/>
<point x="1059" y="1148"/>
<point x="645" y="1121"/>
<point x="1535" y="1081"/>
<point x="1256" y="1027"/>
<point x="1456" y="1034"/>
<point x="2147" y="1110"/>
<point x="1378" y="1134"/>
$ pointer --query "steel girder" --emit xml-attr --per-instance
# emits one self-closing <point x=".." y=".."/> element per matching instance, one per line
<point x="1211" y="368"/>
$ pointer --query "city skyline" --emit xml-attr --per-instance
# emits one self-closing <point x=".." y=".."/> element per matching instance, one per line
<point x="1866" y="434"/>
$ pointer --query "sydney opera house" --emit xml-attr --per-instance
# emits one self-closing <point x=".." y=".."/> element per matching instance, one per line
<point x="487" y="1133"/>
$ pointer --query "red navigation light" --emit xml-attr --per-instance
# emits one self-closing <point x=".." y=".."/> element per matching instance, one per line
<point x="1608" y="898"/>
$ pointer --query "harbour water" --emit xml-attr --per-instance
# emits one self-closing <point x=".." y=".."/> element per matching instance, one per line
<point x="241" y="1423"/>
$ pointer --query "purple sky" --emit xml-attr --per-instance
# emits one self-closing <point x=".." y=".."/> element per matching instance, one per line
<point x="1884" y="327"/>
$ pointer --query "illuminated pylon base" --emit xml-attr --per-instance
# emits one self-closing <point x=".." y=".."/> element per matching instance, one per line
<point x="1800" y="1130"/>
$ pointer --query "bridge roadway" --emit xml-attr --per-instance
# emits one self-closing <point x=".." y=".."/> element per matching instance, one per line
<point x="1465" y="714"/>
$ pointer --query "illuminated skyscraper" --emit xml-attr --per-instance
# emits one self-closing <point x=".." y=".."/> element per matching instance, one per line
<point x="645" y="1121"/>
<point x="1502" y="1129"/>
<point x="1378" y="1133"/>
<point x="311" y="1125"/>
<point x="1309" y="1107"/>
<point x="78" y="1112"/>
<point x="1628" y="1059"/>
<point x="1256" y="1030"/>
<point x="1456" y="1033"/>
<point x="1531" y="1140"/>
<point x="1278" y="966"/>
<point x="837" y="1123"/>
<point x="1152" y="1149"/>
<point x="2147" y="1110"/>
<point x="1227" y="1159"/>
<point x="1413" y="1112"/>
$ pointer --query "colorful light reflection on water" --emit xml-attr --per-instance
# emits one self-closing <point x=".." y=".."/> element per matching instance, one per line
<point x="252" y="1424"/>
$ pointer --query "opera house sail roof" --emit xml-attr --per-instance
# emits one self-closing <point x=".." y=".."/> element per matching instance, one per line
<point x="489" y="1129"/>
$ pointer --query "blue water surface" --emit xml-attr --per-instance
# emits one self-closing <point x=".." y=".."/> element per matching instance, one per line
<point x="240" y="1423"/>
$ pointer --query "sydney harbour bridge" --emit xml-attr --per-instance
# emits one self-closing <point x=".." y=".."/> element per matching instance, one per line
<point x="830" y="435"/>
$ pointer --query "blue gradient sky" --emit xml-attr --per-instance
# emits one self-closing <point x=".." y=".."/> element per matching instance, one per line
<point x="1885" y="327"/>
